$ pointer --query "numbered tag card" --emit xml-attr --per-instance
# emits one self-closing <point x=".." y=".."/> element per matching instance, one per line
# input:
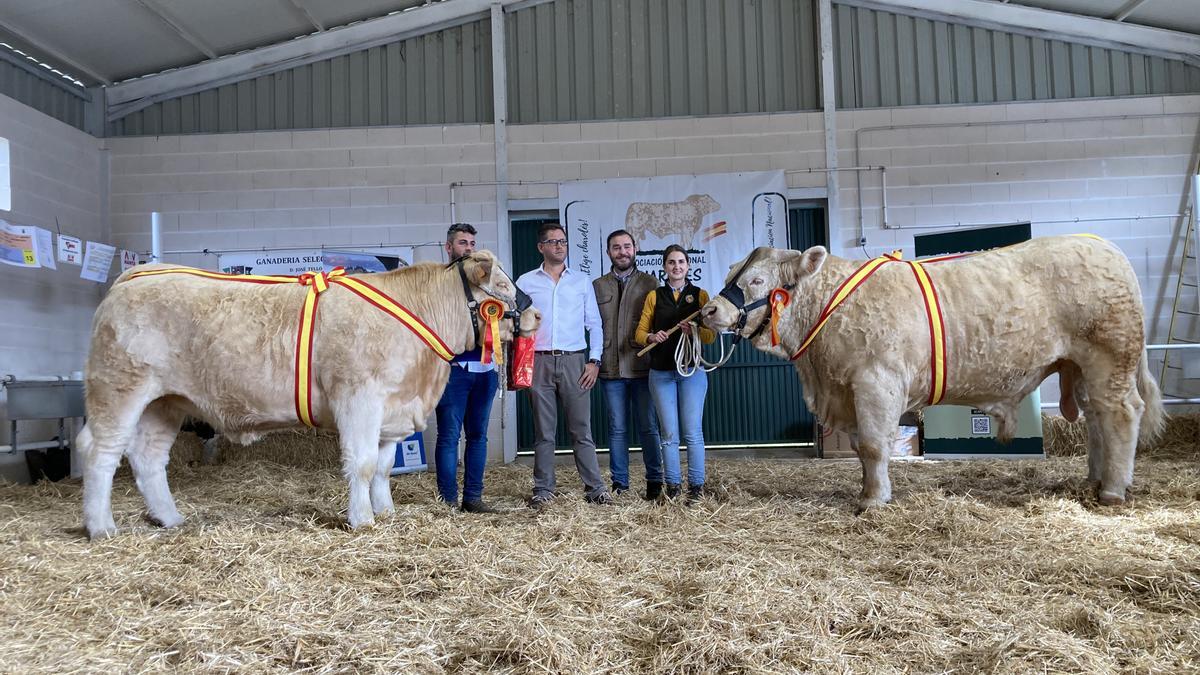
<point x="18" y="245"/>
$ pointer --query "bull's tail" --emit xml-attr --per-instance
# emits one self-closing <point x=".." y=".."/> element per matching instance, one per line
<point x="1154" y="420"/>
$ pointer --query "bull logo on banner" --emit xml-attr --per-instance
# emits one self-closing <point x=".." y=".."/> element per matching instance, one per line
<point x="718" y="218"/>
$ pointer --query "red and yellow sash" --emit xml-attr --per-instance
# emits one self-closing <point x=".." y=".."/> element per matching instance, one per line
<point x="318" y="283"/>
<point x="933" y="314"/>
<point x="933" y="309"/>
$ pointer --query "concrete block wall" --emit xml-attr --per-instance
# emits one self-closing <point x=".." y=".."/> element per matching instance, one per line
<point x="59" y="178"/>
<point x="301" y="188"/>
<point x="1110" y="167"/>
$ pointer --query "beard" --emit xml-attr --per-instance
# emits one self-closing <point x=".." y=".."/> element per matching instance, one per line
<point x="622" y="265"/>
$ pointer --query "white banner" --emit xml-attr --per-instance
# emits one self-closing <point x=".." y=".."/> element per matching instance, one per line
<point x="292" y="263"/>
<point x="718" y="218"/>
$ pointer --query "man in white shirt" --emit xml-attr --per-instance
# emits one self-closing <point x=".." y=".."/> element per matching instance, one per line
<point x="565" y="367"/>
<point x="466" y="402"/>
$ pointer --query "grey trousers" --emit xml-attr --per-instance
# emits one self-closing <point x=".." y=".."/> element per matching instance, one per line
<point x="556" y="380"/>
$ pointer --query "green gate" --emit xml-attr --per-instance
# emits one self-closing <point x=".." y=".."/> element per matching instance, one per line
<point x="754" y="399"/>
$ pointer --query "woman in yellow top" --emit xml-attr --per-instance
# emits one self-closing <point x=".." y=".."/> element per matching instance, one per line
<point x="678" y="400"/>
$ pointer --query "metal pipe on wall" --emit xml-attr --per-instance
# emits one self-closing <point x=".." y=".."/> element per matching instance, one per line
<point x="155" y="237"/>
<point x="882" y="182"/>
<point x="1058" y="221"/>
<point x="488" y="183"/>
<point x="218" y="251"/>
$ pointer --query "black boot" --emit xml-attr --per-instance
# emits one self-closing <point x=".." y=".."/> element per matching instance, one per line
<point x="477" y="506"/>
<point x="653" y="490"/>
<point x="695" y="492"/>
<point x="672" y="491"/>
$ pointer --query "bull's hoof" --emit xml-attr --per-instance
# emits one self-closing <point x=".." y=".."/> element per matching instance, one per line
<point x="212" y="452"/>
<point x="360" y="523"/>
<point x="98" y="533"/>
<point x="1109" y="499"/>
<point x="866" y="504"/>
<point x="169" y="521"/>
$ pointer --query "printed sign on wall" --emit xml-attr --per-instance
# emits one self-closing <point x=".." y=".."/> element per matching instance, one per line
<point x="292" y="263"/>
<point x="718" y="218"/>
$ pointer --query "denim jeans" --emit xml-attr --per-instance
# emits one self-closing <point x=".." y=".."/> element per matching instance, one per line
<point x="621" y="394"/>
<point x="467" y="402"/>
<point x="680" y="402"/>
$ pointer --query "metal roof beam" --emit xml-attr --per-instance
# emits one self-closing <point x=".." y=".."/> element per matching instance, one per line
<point x="36" y="44"/>
<point x="133" y="95"/>
<point x="303" y="9"/>
<point x="1128" y="9"/>
<point x="177" y="26"/>
<point x="1045" y="23"/>
<point x="36" y="70"/>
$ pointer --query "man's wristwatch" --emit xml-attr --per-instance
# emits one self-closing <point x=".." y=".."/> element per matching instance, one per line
<point x="595" y="361"/>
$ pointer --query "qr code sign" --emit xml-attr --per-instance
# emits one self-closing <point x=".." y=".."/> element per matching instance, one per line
<point x="981" y="425"/>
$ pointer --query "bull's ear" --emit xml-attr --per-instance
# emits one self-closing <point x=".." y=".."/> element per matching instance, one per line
<point x="480" y="267"/>
<point x="801" y="265"/>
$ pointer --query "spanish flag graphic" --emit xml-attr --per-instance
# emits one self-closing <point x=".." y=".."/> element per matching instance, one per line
<point x="713" y="231"/>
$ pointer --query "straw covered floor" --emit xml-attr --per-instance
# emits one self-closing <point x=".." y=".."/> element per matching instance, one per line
<point x="993" y="566"/>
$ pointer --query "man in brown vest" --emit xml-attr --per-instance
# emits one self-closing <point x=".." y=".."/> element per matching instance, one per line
<point x="620" y="295"/>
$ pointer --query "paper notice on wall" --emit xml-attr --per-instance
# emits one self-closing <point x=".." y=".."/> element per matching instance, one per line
<point x="129" y="259"/>
<point x="45" y="246"/>
<point x="70" y="250"/>
<point x="97" y="259"/>
<point x="18" y="245"/>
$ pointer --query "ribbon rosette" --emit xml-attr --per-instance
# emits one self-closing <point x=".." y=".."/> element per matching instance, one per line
<point x="491" y="311"/>
<point x="779" y="299"/>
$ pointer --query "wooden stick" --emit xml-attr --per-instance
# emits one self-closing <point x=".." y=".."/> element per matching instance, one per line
<point x="675" y="328"/>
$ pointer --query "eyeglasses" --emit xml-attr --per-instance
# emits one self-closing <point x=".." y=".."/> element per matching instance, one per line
<point x="554" y="242"/>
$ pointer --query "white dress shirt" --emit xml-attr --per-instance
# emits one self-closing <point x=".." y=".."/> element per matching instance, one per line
<point x="567" y="307"/>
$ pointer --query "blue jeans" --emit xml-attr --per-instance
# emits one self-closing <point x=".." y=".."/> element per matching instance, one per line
<point x="467" y="402"/>
<point x="680" y="401"/>
<point x="622" y="393"/>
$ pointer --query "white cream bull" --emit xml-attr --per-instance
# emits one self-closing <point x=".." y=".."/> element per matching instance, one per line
<point x="1013" y="316"/>
<point x="164" y="347"/>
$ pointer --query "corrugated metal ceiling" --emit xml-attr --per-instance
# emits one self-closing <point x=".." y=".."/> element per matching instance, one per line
<point x="113" y="40"/>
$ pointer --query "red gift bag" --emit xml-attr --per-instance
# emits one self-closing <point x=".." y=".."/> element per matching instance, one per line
<point x="520" y="363"/>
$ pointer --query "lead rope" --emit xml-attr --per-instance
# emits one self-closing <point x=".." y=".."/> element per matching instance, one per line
<point x="688" y="351"/>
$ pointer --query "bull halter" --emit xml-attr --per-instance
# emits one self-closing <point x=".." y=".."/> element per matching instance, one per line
<point x="318" y="283"/>
<point x="776" y="300"/>
<point x="492" y="311"/>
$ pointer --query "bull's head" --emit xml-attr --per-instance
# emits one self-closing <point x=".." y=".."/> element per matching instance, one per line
<point x="743" y="304"/>
<point x="705" y="203"/>
<point x="485" y="278"/>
